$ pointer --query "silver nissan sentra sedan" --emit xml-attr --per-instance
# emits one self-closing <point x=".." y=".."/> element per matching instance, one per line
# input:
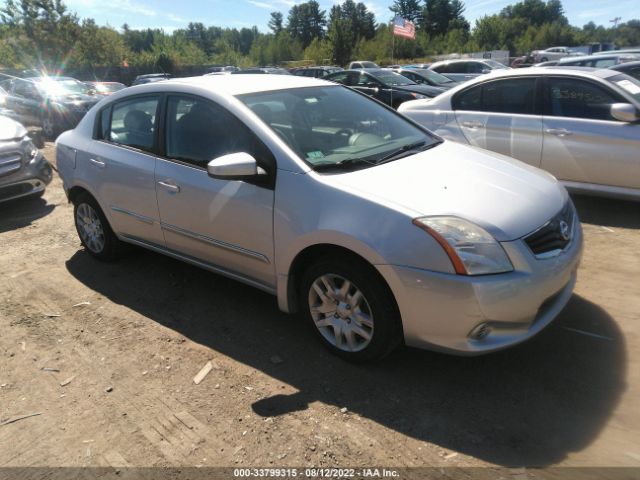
<point x="373" y="229"/>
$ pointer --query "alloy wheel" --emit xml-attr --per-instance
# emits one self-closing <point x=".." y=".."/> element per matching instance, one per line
<point x="341" y="313"/>
<point x="90" y="228"/>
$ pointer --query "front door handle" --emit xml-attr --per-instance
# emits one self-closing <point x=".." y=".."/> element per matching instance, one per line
<point x="97" y="163"/>
<point x="558" y="132"/>
<point x="471" y="124"/>
<point x="169" y="187"/>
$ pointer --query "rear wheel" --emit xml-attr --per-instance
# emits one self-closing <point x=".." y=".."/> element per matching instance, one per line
<point x="350" y="308"/>
<point x="94" y="230"/>
<point x="49" y="128"/>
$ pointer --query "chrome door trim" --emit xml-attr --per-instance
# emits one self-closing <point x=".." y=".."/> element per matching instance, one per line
<point x="137" y="216"/>
<point x="216" y="243"/>
<point x="199" y="263"/>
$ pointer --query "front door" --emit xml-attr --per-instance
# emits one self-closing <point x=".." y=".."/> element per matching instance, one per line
<point x="583" y="143"/>
<point x="225" y="223"/>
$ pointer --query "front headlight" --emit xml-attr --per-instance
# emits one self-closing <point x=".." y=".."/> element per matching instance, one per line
<point x="472" y="250"/>
<point x="30" y="150"/>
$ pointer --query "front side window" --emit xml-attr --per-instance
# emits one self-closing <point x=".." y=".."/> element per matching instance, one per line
<point x="333" y="125"/>
<point x="197" y="131"/>
<point x="133" y="123"/>
<point x="571" y="97"/>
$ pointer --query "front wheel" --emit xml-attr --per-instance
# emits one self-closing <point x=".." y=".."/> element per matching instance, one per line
<point x="49" y="128"/>
<point x="94" y="230"/>
<point x="350" y="308"/>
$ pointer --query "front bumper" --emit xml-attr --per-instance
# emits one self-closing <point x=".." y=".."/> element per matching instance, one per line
<point x="439" y="311"/>
<point x="30" y="179"/>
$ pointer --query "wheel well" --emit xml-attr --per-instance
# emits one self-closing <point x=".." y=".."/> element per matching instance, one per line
<point x="76" y="191"/>
<point x="311" y="254"/>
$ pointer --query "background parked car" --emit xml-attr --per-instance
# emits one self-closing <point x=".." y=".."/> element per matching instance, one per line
<point x="424" y="76"/>
<point x="54" y="103"/>
<point x="553" y="53"/>
<point x="105" y="88"/>
<point x="315" y="72"/>
<point x="598" y="61"/>
<point x="629" y="68"/>
<point x="261" y="71"/>
<point x="463" y="70"/>
<point x="384" y="85"/>
<point x="550" y="63"/>
<point x="150" y="78"/>
<point x="23" y="169"/>
<point x="362" y="64"/>
<point x="579" y="124"/>
<point x="635" y="51"/>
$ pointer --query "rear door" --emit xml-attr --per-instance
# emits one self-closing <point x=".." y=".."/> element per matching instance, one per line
<point x="503" y="116"/>
<point x="582" y="141"/>
<point x="120" y="167"/>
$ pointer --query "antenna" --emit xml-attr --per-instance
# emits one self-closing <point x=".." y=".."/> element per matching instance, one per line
<point x="615" y="21"/>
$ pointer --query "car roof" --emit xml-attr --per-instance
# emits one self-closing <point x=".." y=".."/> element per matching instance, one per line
<point x="458" y="60"/>
<point x="241" y="84"/>
<point x="597" y="57"/>
<point x="47" y="79"/>
<point x="625" y="65"/>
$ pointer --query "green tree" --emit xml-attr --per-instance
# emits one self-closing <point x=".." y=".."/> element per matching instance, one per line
<point x="407" y="9"/>
<point x="275" y="22"/>
<point x="306" y="21"/>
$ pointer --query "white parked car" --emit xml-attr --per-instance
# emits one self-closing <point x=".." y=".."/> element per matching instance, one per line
<point x="374" y="229"/>
<point x="582" y="125"/>
<point x="553" y="53"/>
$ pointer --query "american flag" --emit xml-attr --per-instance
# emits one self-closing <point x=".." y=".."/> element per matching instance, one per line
<point x="404" y="28"/>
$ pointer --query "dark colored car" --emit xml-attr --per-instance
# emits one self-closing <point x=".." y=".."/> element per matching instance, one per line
<point x="262" y="70"/>
<point x="316" y="72"/>
<point x="423" y="76"/>
<point x="54" y="103"/>
<point x="222" y="69"/>
<point x="630" y="68"/>
<point x="384" y="85"/>
<point x="105" y="88"/>
<point x="23" y="169"/>
<point x="150" y="78"/>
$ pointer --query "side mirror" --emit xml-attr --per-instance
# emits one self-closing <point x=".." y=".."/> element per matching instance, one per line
<point x="625" y="112"/>
<point x="234" y="166"/>
<point x="486" y="70"/>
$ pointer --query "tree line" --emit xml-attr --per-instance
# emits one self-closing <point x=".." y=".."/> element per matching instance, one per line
<point x="44" y="34"/>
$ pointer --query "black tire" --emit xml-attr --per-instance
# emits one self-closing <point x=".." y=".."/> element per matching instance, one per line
<point x="387" y="326"/>
<point x="111" y="246"/>
<point x="49" y="129"/>
<point x="544" y="59"/>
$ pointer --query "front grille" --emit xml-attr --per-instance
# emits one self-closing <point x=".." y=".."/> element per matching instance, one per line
<point x="15" y="190"/>
<point x="10" y="162"/>
<point x="555" y="235"/>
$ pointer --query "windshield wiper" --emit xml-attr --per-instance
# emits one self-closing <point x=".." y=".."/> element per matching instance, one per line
<point x="404" y="149"/>
<point x="347" y="162"/>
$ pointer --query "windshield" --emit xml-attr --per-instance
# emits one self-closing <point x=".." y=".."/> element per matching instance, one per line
<point x="627" y="83"/>
<point x="62" y="87"/>
<point x="393" y="79"/>
<point x="494" y="65"/>
<point x="334" y="125"/>
<point x="433" y="76"/>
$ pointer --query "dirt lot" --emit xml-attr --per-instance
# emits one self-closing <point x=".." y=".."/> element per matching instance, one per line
<point x="106" y="353"/>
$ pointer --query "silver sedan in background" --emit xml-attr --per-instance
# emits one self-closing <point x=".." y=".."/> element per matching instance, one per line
<point x="376" y="231"/>
<point x="580" y="124"/>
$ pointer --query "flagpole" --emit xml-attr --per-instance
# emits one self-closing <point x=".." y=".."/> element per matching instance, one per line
<point x="393" y="44"/>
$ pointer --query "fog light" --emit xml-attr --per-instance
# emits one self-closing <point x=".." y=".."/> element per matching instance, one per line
<point x="480" y="331"/>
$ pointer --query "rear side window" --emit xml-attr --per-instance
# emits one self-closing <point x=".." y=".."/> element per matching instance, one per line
<point x="513" y="95"/>
<point x="571" y="97"/>
<point x="133" y="123"/>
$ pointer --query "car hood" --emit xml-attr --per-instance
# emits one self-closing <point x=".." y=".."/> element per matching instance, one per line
<point x="78" y="99"/>
<point x="10" y="129"/>
<point x="422" y="89"/>
<point x="506" y="197"/>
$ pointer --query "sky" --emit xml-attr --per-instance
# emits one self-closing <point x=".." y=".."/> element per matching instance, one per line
<point x="170" y="14"/>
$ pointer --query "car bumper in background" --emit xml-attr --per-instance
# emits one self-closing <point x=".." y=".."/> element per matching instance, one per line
<point x="30" y="179"/>
<point x="474" y="315"/>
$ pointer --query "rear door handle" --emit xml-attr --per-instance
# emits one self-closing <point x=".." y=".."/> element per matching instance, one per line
<point x="471" y="124"/>
<point x="558" y="132"/>
<point x="98" y="163"/>
<point x="169" y="187"/>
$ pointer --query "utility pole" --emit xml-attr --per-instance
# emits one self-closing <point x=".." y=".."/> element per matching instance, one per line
<point x="615" y="21"/>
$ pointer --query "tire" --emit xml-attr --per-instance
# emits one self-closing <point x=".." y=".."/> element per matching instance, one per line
<point x="544" y="59"/>
<point x="94" y="230"/>
<point x="49" y="129"/>
<point x="368" y="330"/>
